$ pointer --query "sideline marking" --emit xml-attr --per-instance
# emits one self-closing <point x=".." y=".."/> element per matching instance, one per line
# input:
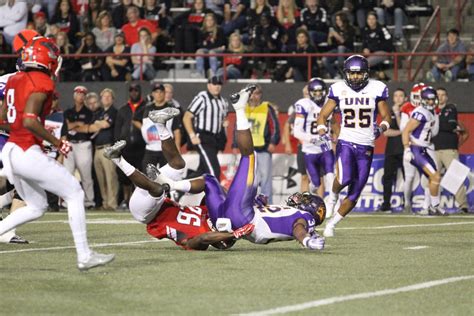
<point x="408" y="226"/>
<point x="92" y="246"/>
<point x="338" y="299"/>
<point x="416" y="247"/>
<point x="92" y="221"/>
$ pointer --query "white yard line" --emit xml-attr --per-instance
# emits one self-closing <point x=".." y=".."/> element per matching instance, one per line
<point x="344" y="298"/>
<point x="93" y="221"/>
<point x="93" y="246"/>
<point x="406" y="226"/>
<point x="416" y="247"/>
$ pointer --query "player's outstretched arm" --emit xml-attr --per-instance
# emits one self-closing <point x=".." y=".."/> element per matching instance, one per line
<point x="301" y="234"/>
<point x="203" y="241"/>
<point x="326" y="111"/>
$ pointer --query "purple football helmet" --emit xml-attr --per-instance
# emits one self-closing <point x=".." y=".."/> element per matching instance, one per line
<point x="356" y="63"/>
<point x="429" y="94"/>
<point x="316" y="85"/>
<point x="310" y="203"/>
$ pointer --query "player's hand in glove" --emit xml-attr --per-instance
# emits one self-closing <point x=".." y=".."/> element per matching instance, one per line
<point x="314" y="242"/>
<point x="240" y="99"/>
<point x="243" y="231"/>
<point x="378" y="131"/>
<point x="261" y="200"/>
<point x="408" y="155"/>
<point x="64" y="147"/>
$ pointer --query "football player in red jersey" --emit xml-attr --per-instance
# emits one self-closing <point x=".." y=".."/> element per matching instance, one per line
<point x="28" y="99"/>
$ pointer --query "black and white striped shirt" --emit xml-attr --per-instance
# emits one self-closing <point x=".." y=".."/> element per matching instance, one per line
<point x="209" y="112"/>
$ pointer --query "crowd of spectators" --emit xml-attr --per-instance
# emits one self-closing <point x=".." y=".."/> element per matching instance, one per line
<point x="205" y="27"/>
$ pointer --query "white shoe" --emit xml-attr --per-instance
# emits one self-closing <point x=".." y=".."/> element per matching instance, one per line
<point x="329" y="231"/>
<point x="163" y="116"/>
<point x="330" y="205"/>
<point x="239" y="100"/>
<point x="95" y="260"/>
<point x="423" y="212"/>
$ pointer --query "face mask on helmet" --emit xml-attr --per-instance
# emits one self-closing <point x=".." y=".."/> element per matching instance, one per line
<point x="310" y="203"/>
<point x="429" y="98"/>
<point x="317" y="90"/>
<point x="356" y="72"/>
<point x="415" y="94"/>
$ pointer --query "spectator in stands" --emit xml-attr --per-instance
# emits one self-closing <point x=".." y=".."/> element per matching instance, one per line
<point x="362" y="9"/>
<point x="169" y="93"/>
<point x="126" y="130"/>
<point x="211" y="41"/>
<point x="391" y="12"/>
<point x="264" y="39"/>
<point x="446" y="67"/>
<point x="90" y="18"/>
<point x="217" y="7"/>
<point x="236" y="64"/>
<point x="156" y="13"/>
<point x="288" y="17"/>
<point x="135" y="24"/>
<point x="41" y="25"/>
<point x="119" y="13"/>
<point x="104" y="169"/>
<point x="13" y="18"/>
<point x="340" y="40"/>
<point x="104" y="31"/>
<point x="298" y="66"/>
<point x="80" y="157"/>
<point x="393" y="159"/>
<point x="376" y="39"/>
<point x="7" y="65"/>
<point x="334" y="6"/>
<point x="117" y="66"/>
<point x="314" y="19"/>
<point x="255" y="12"/>
<point x="65" y="18"/>
<point x="235" y="15"/>
<point x="70" y="68"/>
<point x="470" y="63"/>
<point x="143" y="64"/>
<point x="447" y="141"/>
<point x="153" y="153"/>
<point x="91" y="65"/>
<point x="265" y="135"/>
<point x="188" y="26"/>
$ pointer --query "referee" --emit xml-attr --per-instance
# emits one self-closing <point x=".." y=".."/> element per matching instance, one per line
<point x="203" y="122"/>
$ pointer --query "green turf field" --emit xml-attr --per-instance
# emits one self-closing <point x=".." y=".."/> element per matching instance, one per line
<point x="369" y="254"/>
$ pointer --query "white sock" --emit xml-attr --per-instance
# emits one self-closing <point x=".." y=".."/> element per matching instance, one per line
<point x="77" y="222"/>
<point x="434" y="200"/>
<point x="6" y="198"/>
<point x="163" y="131"/>
<point x="328" y="182"/>
<point x="407" y="190"/>
<point x="427" y="199"/>
<point x="127" y="168"/>
<point x="241" y="119"/>
<point x="335" y="219"/>
<point x="183" y="185"/>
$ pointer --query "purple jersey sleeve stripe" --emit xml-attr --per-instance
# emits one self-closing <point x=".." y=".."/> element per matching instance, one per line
<point x="332" y="96"/>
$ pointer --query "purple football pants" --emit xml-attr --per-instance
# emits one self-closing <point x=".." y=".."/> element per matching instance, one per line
<point x="423" y="158"/>
<point x="318" y="165"/>
<point x="237" y="204"/>
<point x="353" y="163"/>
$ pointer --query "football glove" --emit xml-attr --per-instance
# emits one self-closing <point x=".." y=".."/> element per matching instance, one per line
<point x="408" y="155"/>
<point x="261" y="200"/>
<point x="64" y="147"/>
<point x="378" y="131"/>
<point x="314" y="242"/>
<point x="243" y="231"/>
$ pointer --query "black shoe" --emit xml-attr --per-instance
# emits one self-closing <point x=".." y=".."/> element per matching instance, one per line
<point x="18" y="240"/>
<point x="464" y="210"/>
<point x="384" y="209"/>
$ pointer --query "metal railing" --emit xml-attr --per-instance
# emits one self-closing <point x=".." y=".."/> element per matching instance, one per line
<point x="460" y="6"/>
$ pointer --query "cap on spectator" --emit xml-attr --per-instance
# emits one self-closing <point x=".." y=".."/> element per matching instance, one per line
<point x="40" y="14"/>
<point x="134" y="86"/>
<point x="215" y="80"/>
<point x="157" y="86"/>
<point x="80" y="89"/>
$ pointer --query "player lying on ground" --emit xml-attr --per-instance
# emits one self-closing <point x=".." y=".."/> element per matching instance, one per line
<point x="359" y="99"/>
<point x="416" y="138"/>
<point x="296" y="220"/>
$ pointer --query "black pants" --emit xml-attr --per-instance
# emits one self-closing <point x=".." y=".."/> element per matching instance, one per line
<point x="390" y="166"/>
<point x="208" y="161"/>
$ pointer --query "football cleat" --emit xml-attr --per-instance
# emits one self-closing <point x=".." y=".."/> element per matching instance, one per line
<point x="152" y="172"/>
<point x="329" y="231"/>
<point x="114" y="151"/>
<point x="437" y="211"/>
<point x="239" y="99"/>
<point x="163" y="116"/>
<point x="423" y="212"/>
<point x="95" y="260"/>
<point x="18" y="240"/>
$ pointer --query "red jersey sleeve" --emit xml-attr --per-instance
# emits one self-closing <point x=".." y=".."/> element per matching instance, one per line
<point x="407" y="108"/>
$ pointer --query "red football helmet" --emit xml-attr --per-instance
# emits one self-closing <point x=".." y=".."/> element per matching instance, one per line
<point x="42" y="53"/>
<point x="415" y="94"/>
<point x="22" y="38"/>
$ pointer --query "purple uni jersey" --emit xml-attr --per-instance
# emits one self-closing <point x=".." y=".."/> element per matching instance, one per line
<point x="355" y="145"/>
